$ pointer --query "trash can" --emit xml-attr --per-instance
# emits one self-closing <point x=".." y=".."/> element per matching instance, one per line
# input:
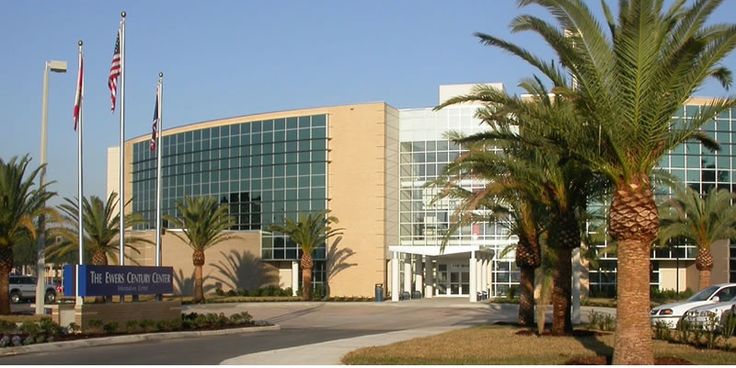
<point x="379" y="292"/>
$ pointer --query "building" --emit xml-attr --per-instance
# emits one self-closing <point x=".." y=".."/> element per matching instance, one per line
<point x="368" y="164"/>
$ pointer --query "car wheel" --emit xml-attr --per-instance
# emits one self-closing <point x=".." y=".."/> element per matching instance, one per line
<point x="50" y="296"/>
<point x="15" y="297"/>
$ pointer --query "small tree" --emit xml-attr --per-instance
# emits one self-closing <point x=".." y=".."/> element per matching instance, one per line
<point x="309" y="232"/>
<point x="19" y="205"/>
<point x="203" y="223"/>
<point x="701" y="220"/>
<point x="101" y="230"/>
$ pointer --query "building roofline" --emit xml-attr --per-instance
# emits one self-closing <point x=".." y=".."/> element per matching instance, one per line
<point x="254" y="117"/>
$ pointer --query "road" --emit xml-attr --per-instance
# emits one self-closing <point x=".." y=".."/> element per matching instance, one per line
<point x="302" y="323"/>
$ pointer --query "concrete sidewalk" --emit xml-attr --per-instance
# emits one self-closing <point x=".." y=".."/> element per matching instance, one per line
<point x="330" y="352"/>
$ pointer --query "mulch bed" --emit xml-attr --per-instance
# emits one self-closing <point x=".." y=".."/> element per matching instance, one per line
<point x="606" y="360"/>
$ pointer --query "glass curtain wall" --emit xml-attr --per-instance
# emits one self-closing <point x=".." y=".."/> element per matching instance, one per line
<point x="698" y="168"/>
<point x="263" y="170"/>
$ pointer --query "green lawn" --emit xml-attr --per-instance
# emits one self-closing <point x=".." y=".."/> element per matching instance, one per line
<point x="501" y="345"/>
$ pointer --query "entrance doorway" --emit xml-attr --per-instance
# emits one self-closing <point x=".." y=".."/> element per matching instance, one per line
<point x="453" y="279"/>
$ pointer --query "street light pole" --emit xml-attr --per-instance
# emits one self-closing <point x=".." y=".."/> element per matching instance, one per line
<point x="58" y="67"/>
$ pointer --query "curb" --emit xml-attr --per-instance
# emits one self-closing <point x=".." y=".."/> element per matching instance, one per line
<point x="127" y="339"/>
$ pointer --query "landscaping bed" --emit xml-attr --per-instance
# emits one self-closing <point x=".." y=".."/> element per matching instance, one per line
<point x="43" y="329"/>
<point x="504" y="344"/>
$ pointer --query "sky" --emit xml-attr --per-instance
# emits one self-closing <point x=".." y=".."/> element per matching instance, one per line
<point x="230" y="58"/>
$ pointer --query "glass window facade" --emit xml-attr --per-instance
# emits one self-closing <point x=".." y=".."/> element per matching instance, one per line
<point x="263" y="170"/>
<point x="698" y="168"/>
<point x="425" y="152"/>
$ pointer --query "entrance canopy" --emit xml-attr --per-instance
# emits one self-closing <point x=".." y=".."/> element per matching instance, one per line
<point x="472" y="279"/>
<point x="436" y="250"/>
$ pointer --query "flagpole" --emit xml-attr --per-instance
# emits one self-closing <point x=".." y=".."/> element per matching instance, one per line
<point x="121" y="199"/>
<point x="159" y="150"/>
<point x="80" y="181"/>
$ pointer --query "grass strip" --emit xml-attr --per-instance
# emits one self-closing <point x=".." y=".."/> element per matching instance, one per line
<point x="502" y="345"/>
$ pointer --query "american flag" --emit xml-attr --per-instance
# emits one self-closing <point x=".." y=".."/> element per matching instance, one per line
<point x="156" y="117"/>
<point x="80" y="91"/>
<point x="112" y="80"/>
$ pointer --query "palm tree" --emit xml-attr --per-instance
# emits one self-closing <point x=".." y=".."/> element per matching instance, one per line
<point x="20" y="204"/>
<point x="524" y="223"/>
<point x="562" y="185"/>
<point x="630" y="80"/>
<point x="514" y="198"/>
<point x="101" y="230"/>
<point x="203" y="223"/>
<point x="702" y="220"/>
<point x="309" y="232"/>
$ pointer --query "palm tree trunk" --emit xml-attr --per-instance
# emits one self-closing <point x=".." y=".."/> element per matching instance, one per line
<point x="562" y="292"/>
<point x="704" y="264"/>
<point x="633" y="222"/>
<point x="633" y="339"/>
<point x="526" y="296"/>
<point x="704" y="279"/>
<point x="198" y="261"/>
<point x="6" y="265"/>
<point x="307" y="264"/>
<point x="198" y="288"/>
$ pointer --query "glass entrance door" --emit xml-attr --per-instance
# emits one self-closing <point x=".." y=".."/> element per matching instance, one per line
<point x="453" y="279"/>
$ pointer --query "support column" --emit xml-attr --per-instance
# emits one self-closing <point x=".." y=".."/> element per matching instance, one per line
<point x="429" y="278"/>
<point x="576" y="270"/>
<point x="294" y="277"/>
<point x="479" y="273"/>
<point x="490" y="276"/>
<point x="407" y="274"/>
<point x="395" y="288"/>
<point x="483" y="275"/>
<point x="473" y="277"/>
<point x="489" y="271"/>
<point x="419" y="272"/>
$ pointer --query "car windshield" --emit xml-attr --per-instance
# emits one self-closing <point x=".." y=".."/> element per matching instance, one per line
<point x="703" y="294"/>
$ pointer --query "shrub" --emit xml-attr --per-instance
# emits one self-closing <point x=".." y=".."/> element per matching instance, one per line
<point x="110" y="327"/>
<point x="96" y="323"/>
<point x="661" y="330"/>
<point x="219" y="291"/>
<point x="318" y="292"/>
<point x="241" y="318"/>
<point x="30" y="328"/>
<point x="662" y="296"/>
<point x="132" y="326"/>
<point x="7" y="326"/>
<point x="512" y="291"/>
<point x="729" y="324"/>
<point x="49" y="327"/>
<point x="147" y="325"/>
<point x="74" y="328"/>
<point x="164" y="325"/>
<point x="242" y="292"/>
<point x="602" y="321"/>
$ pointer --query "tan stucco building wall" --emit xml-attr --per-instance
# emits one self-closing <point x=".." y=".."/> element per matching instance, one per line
<point x="363" y="153"/>
<point x="362" y="189"/>
<point x="232" y="264"/>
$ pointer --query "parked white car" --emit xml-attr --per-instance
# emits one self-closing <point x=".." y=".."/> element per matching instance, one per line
<point x="671" y="313"/>
<point x="709" y="316"/>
